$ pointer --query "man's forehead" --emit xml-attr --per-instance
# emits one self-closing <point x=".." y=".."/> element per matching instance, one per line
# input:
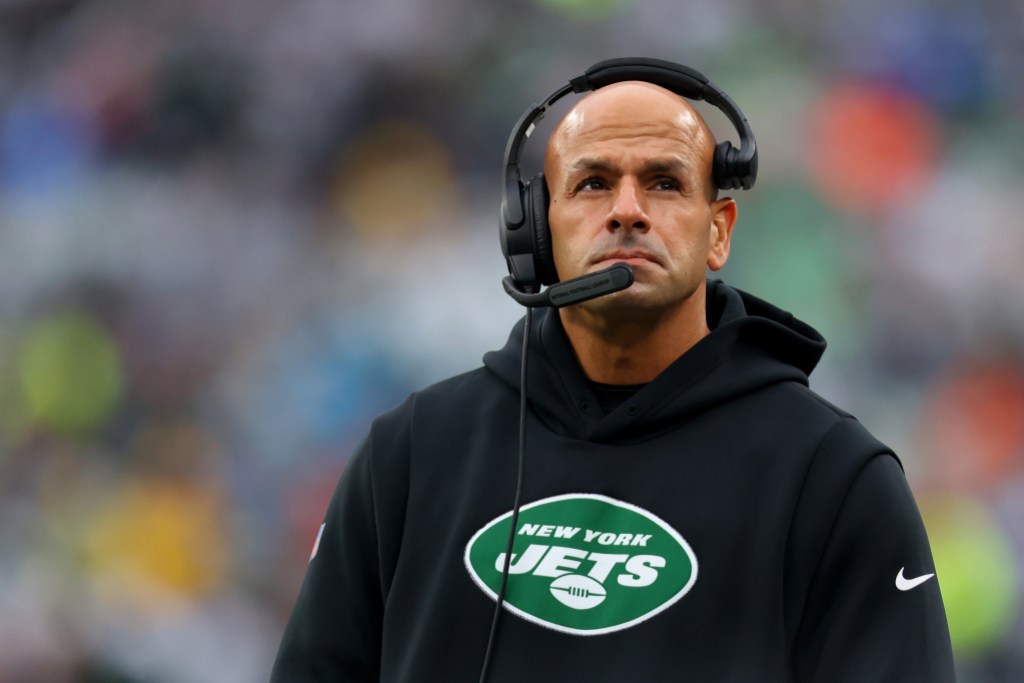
<point x="632" y="109"/>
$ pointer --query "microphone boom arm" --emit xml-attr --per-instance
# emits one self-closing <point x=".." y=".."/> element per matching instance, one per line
<point x="576" y="290"/>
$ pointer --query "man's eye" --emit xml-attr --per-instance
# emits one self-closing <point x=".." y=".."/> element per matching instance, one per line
<point x="591" y="184"/>
<point x="666" y="184"/>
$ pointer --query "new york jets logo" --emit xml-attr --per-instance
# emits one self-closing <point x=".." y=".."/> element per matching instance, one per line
<point x="584" y="563"/>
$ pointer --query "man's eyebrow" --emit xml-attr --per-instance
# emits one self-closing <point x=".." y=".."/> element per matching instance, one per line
<point x="667" y="165"/>
<point x="591" y="164"/>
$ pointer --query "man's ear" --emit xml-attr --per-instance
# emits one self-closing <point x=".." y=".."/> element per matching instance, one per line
<point x="723" y="218"/>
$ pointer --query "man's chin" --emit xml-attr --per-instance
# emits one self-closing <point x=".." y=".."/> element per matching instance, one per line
<point x="637" y="300"/>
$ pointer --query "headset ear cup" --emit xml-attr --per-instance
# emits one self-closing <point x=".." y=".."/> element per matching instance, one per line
<point x="731" y="171"/>
<point x="538" y="215"/>
<point x="723" y="171"/>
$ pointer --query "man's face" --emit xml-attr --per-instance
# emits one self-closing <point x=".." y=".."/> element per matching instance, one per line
<point x="628" y="172"/>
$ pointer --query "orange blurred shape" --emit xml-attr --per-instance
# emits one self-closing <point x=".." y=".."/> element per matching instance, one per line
<point x="397" y="179"/>
<point x="869" y="147"/>
<point x="165" y="533"/>
<point x="974" y="424"/>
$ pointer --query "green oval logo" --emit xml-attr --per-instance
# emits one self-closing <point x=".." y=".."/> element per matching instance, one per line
<point x="584" y="563"/>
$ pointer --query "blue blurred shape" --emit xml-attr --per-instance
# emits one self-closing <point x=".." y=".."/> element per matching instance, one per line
<point x="43" y="146"/>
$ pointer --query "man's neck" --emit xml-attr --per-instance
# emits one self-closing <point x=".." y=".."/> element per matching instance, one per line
<point x="636" y="349"/>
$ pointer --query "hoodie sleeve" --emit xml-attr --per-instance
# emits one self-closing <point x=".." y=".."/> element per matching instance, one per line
<point x="334" y="632"/>
<point x="873" y="610"/>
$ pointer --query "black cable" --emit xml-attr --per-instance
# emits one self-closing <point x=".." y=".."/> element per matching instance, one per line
<point x="515" y="506"/>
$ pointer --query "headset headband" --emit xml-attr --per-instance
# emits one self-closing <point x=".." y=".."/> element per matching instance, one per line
<point x="737" y="168"/>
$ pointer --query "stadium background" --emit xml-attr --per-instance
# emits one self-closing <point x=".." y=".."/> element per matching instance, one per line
<point x="233" y="231"/>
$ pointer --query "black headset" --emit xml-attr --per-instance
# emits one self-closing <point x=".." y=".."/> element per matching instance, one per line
<point x="525" y="236"/>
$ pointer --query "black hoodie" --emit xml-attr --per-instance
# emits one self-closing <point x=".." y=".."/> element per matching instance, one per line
<point x="723" y="524"/>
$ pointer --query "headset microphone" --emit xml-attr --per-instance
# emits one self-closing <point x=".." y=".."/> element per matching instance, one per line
<point x="574" y="291"/>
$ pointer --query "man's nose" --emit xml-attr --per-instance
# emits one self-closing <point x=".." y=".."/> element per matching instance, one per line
<point x="628" y="208"/>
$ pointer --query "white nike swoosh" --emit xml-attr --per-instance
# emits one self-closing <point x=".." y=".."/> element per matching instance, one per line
<point x="906" y="584"/>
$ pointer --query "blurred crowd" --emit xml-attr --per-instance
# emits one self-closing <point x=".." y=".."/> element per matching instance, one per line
<point x="233" y="231"/>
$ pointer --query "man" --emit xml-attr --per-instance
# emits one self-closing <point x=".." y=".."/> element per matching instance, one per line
<point x="692" y="511"/>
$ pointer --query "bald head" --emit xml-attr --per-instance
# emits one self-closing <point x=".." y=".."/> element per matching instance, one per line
<point x="633" y="110"/>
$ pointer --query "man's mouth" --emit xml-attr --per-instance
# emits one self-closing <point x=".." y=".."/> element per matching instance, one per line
<point x="632" y="257"/>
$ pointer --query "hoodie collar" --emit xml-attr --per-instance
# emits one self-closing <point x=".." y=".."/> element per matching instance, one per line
<point x="752" y="344"/>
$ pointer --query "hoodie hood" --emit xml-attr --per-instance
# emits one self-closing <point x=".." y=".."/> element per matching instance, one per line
<point x="752" y="344"/>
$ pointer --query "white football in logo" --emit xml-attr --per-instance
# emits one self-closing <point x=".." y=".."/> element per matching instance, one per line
<point x="578" y="591"/>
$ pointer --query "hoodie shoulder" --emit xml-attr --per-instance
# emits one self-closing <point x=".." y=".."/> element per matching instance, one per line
<point x="834" y="424"/>
<point x="452" y="405"/>
<point x="441" y="400"/>
<point x="465" y="386"/>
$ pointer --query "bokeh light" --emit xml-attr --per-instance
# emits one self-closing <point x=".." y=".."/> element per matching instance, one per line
<point x="584" y="10"/>
<point x="70" y="373"/>
<point x="398" y="178"/>
<point x="972" y="424"/>
<point x="975" y="565"/>
<point x="162" y="536"/>
<point x="792" y="248"/>
<point x="14" y="413"/>
<point x="869" y="146"/>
